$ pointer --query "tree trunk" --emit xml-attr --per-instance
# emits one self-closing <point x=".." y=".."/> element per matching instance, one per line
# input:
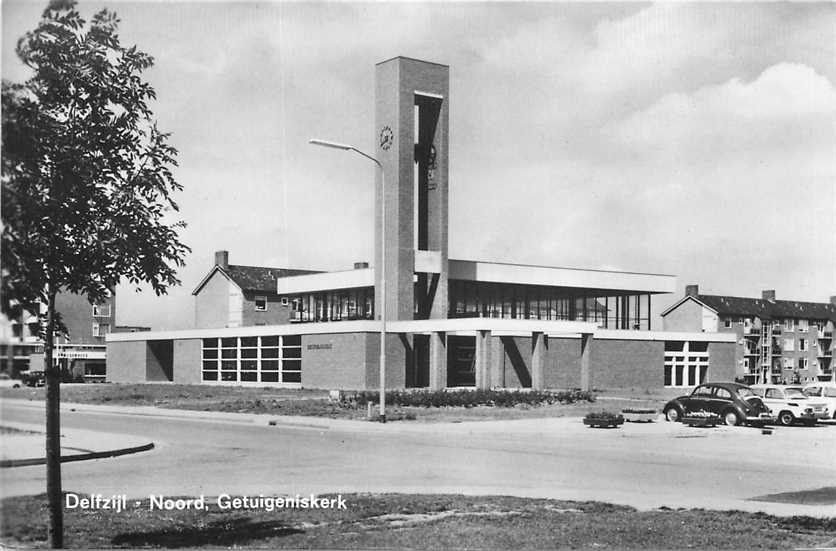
<point x="53" y="431"/>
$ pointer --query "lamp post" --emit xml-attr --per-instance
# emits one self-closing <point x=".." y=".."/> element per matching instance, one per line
<point x="345" y="147"/>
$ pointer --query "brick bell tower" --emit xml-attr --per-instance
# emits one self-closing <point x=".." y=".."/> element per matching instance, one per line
<point x="411" y="136"/>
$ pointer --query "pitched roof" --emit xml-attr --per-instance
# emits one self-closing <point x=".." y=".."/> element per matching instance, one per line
<point x="768" y="309"/>
<point x="261" y="279"/>
<point x="676" y="304"/>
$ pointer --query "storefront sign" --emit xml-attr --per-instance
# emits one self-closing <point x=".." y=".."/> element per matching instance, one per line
<point x="320" y="346"/>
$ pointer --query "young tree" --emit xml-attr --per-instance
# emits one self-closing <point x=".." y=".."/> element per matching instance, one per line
<point x="86" y="184"/>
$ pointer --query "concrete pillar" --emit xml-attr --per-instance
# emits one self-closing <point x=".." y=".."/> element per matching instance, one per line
<point x="538" y="360"/>
<point x="438" y="361"/>
<point x="497" y="367"/>
<point x="483" y="359"/>
<point x="586" y="374"/>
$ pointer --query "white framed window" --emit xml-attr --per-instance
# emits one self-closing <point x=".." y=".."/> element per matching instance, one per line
<point x="686" y="363"/>
<point x="100" y="329"/>
<point x="727" y="322"/>
<point x="802" y="344"/>
<point x="802" y="363"/>
<point x="789" y="324"/>
<point x="789" y="345"/>
<point x="786" y="363"/>
<point x="260" y="304"/>
<point x="285" y="301"/>
<point x="803" y="325"/>
<point x="101" y="310"/>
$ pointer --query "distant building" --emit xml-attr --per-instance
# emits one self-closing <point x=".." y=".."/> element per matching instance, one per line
<point x="80" y="351"/>
<point x="777" y="340"/>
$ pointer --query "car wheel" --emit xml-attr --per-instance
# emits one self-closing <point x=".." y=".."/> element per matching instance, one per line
<point x="731" y="418"/>
<point x="786" y="418"/>
<point x="673" y="414"/>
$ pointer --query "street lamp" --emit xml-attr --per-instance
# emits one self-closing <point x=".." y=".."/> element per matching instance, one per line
<point x="345" y="147"/>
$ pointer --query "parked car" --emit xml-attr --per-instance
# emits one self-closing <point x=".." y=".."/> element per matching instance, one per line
<point x="789" y="404"/>
<point x="33" y="378"/>
<point x="736" y="404"/>
<point x="6" y="381"/>
<point x="823" y="392"/>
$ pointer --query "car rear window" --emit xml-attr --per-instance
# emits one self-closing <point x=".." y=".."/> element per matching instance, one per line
<point x="722" y="393"/>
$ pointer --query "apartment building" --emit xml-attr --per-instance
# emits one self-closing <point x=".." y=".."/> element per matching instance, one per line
<point x="777" y="340"/>
<point x="80" y="351"/>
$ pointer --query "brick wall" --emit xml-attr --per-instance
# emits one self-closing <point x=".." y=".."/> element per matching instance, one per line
<point x="627" y="364"/>
<point x="721" y="361"/>
<point x="126" y="362"/>
<point x="688" y="316"/>
<point x="275" y="314"/>
<point x="187" y="358"/>
<point x="77" y="315"/>
<point x="335" y="361"/>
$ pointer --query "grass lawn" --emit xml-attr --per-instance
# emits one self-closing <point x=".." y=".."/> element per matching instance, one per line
<point x="417" y="522"/>
<point x="280" y="401"/>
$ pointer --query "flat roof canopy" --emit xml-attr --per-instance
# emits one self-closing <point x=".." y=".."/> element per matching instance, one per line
<point x="599" y="280"/>
<point x="460" y="326"/>
<point x="602" y="282"/>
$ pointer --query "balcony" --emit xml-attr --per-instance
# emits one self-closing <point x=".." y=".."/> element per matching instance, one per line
<point x="825" y="334"/>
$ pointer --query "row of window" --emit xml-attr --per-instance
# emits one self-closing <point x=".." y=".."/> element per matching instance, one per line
<point x="472" y="299"/>
<point x="267" y="359"/>
<point x="801" y="325"/>
<point x="787" y="345"/>
<point x="348" y="304"/>
<point x="800" y="363"/>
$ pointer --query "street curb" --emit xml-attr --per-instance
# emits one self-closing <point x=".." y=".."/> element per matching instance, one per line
<point x="8" y="463"/>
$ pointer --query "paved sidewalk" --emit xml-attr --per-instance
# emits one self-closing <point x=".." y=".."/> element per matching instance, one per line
<point x="23" y="444"/>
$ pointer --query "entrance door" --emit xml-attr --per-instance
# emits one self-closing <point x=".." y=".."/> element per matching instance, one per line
<point x="420" y="362"/>
<point x="461" y="361"/>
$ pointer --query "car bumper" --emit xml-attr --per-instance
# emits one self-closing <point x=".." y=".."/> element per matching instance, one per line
<point x="762" y="418"/>
<point x="815" y="415"/>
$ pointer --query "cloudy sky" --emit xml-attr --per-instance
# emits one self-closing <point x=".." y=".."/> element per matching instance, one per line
<point x="689" y="139"/>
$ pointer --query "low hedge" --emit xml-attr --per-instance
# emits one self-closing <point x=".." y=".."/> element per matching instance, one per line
<point x="467" y="398"/>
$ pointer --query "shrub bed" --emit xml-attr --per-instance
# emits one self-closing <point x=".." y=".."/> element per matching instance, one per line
<point x="467" y="398"/>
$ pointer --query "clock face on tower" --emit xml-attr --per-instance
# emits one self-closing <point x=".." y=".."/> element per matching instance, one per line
<point x="387" y="138"/>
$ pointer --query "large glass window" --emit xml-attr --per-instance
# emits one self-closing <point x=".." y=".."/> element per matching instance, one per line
<point x="472" y="299"/>
<point x="267" y="359"/>
<point x="339" y="305"/>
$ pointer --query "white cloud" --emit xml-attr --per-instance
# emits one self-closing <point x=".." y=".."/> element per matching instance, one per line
<point x="788" y="107"/>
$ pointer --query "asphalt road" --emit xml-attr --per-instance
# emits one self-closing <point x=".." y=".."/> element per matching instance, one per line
<point x="643" y="465"/>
